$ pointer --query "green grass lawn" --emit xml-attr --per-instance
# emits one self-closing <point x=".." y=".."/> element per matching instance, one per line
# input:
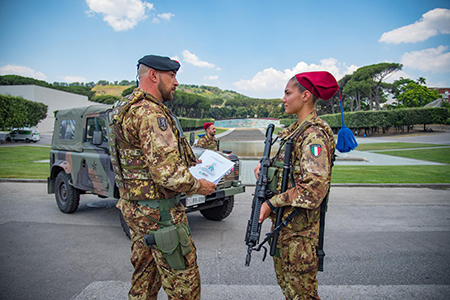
<point x="440" y="155"/>
<point x="391" y="174"/>
<point x="20" y="162"/>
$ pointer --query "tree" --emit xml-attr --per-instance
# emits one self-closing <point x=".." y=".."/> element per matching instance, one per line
<point x="367" y="83"/>
<point x="410" y="93"/>
<point x="241" y="112"/>
<point x="19" y="112"/>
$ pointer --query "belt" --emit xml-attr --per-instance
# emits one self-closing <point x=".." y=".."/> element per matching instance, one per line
<point x="161" y="204"/>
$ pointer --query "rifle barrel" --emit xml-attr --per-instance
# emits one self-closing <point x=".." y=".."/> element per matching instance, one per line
<point x="253" y="226"/>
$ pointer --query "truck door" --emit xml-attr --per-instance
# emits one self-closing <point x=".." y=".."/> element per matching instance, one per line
<point x="95" y="165"/>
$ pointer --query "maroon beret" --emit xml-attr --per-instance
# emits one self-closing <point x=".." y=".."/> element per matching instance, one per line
<point x="321" y="84"/>
<point x="206" y="125"/>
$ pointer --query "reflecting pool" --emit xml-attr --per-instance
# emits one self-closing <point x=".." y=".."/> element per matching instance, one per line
<point x="248" y="148"/>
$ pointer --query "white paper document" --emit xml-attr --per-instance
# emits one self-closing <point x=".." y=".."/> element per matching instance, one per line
<point x="213" y="167"/>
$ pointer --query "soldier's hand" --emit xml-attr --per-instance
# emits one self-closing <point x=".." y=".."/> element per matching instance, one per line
<point x="257" y="170"/>
<point x="265" y="212"/>
<point x="206" y="187"/>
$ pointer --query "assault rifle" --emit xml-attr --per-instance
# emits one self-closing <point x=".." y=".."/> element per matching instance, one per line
<point x="273" y="235"/>
<point x="262" y="192"/>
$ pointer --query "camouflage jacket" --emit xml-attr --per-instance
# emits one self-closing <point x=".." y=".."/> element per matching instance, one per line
<point x="311" y="160"/>
<point x="207" y="142"/>
<point x="150" y="156"/>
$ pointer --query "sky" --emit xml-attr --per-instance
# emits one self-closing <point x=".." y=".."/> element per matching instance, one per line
<point x="251" y="47"/>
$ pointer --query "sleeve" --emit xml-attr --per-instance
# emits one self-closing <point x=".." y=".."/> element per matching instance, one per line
<point x="201" y="143"/>
<point x="311" y="185"/>
<point x="161" y="150"/>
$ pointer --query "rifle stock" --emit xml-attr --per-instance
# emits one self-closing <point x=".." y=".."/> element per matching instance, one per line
<point x="261" y="194"/>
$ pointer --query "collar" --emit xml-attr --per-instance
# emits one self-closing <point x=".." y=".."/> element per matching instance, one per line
<point x="296" y="126"/>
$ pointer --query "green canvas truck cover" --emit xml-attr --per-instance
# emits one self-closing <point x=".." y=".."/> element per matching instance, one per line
<point x="68" y="129"/>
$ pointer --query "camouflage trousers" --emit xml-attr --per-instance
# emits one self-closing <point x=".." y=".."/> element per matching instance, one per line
<point x="150" y="269"/>
<point x="297" y="268"/>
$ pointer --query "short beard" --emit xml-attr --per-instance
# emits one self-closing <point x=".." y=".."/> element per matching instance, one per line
<point x="166" y="94"/>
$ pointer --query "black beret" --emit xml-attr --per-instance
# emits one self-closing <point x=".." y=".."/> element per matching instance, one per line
<point x="160" y="63"/>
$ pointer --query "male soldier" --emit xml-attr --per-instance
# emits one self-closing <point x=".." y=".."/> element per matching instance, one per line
<point x="151" y="160"/>
<point x="208" y="141"/>
<point x="296" y="264"/>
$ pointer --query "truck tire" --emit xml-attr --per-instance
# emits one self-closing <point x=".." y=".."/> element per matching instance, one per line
<point x="124" y="225"/>
<point x="219" y="213"/>
<point x="67" y="197"/>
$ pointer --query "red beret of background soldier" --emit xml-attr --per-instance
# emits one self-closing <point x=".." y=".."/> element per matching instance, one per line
<point x="208" y="141"/>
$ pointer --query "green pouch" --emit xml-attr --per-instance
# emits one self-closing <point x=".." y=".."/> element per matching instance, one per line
<point x="272" y="177"/>
<point x="183" y="234"/>
<point x="168" y="242"/>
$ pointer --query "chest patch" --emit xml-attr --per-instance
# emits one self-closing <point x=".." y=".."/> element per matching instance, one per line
<point x="316" y="150"/>
<point x="162" y="123"/>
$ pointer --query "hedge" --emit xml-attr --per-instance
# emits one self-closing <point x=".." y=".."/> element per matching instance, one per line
<point x="384" y="119"/>
<point x="16" y="112"/>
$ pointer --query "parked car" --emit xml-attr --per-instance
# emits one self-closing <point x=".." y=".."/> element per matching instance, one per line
<point x="23" y="134"/>
<point x="80" y="164"/>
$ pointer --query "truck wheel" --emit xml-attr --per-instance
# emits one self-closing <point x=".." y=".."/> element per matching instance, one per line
<point x="67" y="197"/>
<point x="124" y="224"/>
<point x="219" y="213"/>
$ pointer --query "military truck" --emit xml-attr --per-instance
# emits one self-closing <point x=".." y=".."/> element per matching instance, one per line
<point x="80" y="164"/>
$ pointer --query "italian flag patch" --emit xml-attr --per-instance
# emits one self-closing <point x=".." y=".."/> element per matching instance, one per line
<point x="316" y="150"/>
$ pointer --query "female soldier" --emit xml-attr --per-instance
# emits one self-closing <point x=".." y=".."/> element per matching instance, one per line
<point x="296" y="265"/>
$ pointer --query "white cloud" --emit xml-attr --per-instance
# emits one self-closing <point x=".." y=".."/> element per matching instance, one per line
<point x="166" y="16"/>
<point x="432" y="23"/>
<point x="272" y="80"/>
<point x="193" y="59"/>
<point x="121" y="15"/>
<point x="22" y="71"/>
<point x="432" y="60"/>
<point x="212" y="77"/>
<point x="70" y="79"/>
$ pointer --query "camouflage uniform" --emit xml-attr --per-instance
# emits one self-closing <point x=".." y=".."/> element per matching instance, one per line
<point x="151" y="163"/>
<point x="297" y="265"/>
<point x="207" y="142"/>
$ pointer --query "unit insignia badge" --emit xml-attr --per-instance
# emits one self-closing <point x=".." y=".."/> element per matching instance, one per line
<point x="162" y="123"/>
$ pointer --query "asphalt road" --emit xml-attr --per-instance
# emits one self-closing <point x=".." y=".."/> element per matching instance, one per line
<point x="380" y="243"/>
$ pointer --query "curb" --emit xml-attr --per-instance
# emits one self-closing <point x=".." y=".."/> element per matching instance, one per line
<point x="23" y="180"/>
<point x="395" y="185"/>
<point x="381" y="185"/>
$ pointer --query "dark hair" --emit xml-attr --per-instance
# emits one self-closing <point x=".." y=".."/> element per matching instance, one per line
<point x="301" y="88"/>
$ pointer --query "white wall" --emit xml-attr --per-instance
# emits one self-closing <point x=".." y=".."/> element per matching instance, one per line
<point x="55" y="100"/>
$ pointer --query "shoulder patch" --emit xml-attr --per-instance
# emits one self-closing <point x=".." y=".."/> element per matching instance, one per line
<point x="316" y="150"/>
<point x="162" y="123"/>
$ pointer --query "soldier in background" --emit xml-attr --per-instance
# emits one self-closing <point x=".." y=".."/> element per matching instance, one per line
<point x="296" y="261"/>
<point x="208" y="141"/>
<point x="151" y="160"/>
